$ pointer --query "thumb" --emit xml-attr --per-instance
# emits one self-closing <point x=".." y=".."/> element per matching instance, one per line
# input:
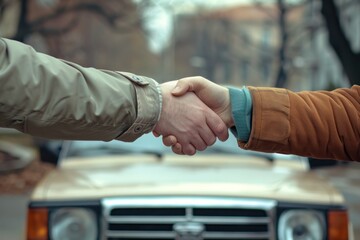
<point x="156" y="134"/>
<point x="181" y="87"/>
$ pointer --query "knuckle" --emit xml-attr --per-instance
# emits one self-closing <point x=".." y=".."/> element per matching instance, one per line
<point x="189" y="151"/>
<point x="220" y="129"/>
<point x="180" y="81"/>
<point x="167" y="142"/>
<point x="211" y="141"/>
<point x="201" y="147"/>
<point x="176" y="149"/>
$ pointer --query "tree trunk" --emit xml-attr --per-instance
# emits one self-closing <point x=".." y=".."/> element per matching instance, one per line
<point x="282" y="74"/>
<point x="22" y="28"/>
<point x="349" y="60"/>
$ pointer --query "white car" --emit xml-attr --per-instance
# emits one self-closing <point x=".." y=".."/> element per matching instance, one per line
<point x="140" y="190"/>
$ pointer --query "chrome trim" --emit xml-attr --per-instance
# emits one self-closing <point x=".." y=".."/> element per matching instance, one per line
<point x="140" y="234"/>
<point x="159" y="235"/>
<point x="165" y="219"/>
<point x="225" y="202"/>
<point x="188" y="204"/>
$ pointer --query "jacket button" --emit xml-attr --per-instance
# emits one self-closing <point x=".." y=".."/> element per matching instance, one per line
<point x="18" y="121"/>
<point x="137" y="129"/>
<point x="136" y="78"/>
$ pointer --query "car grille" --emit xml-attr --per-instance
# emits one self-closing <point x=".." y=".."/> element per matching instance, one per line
<point x="188" y="218"/>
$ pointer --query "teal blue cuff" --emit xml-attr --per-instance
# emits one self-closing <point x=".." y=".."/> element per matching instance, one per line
<point x="241" y="108"/>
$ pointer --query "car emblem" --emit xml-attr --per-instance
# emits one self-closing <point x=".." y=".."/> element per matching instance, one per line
<point x="189" y="231"/>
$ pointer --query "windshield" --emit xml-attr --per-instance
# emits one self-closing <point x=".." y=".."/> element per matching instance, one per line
<point x="146" y="144"/>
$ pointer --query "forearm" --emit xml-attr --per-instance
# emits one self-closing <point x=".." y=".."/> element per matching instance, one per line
<point x="47" y="97"/>
<point x="319" y="124"/>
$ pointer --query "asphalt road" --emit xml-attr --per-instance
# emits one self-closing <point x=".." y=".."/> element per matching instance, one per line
<point x="346" y="178"/>
<point x="12" y="217"/>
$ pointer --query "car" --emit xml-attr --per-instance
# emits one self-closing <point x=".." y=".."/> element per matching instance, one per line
<point x="141" y="190"/>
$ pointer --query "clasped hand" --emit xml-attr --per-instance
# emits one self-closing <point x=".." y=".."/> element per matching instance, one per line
<point x="195" y="112"/>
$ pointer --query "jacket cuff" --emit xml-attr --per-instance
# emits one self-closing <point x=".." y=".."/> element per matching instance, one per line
<point x="148" y="96"/>
<point x="241" y="107"/>
<point x="271" y="119"/>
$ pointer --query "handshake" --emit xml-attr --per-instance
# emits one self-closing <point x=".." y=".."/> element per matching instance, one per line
<point x="195" y="112"/>
<point x="83" y="104"/>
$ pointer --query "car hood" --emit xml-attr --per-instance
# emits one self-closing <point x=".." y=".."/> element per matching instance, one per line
<point x="180" y="176"/>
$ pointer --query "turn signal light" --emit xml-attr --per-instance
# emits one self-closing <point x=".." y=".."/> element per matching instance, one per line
<point x="338" y="225"/>
<point x="37" y="224"/>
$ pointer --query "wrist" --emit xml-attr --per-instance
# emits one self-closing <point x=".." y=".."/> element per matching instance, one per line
<point x="228" y="116"/>
<point x="241" y="109"/>
<point x="224" y="111"/>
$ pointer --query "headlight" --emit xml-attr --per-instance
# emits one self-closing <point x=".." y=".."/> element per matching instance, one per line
<point x="73" y="224"/>
<point x="301" y="225"/>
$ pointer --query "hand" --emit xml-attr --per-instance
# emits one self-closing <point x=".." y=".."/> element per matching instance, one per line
<point x="193" y="124"/>
<point x="214" y="96"/>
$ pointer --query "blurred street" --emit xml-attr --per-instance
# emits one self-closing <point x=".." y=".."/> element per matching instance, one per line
<point x="12" y="217"/>
<point x="345" y="178"/>
<point x="297" y="45"/>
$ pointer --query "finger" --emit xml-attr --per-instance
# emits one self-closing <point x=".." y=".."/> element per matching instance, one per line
<point x="182" y="86"/>
<point x="198" y="142"/>
<point x="188" y="149"/>
<point x="190" y="84"/>
<point x="177" y="148"/>
<point x="169" y="140"/>
<point x="208" y="136"/>
<point x="156" y="134"/>
<point x="217" y="126"/>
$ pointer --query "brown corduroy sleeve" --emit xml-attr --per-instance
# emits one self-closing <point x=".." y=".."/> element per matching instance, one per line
<point x="320" y="124"/>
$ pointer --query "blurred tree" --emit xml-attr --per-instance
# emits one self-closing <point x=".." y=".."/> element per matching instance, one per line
<point x="3" y="5"/>
<point x="114" y="13"/>
<point x="282" y="74"/>
<point x="238" y="45"/>
<point x="349" y="59"/>
<point x="288" y="33"/>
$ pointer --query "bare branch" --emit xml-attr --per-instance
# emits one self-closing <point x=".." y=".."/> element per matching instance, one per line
<point x="265" y="10"/>
<point x="298" y="5"/>
<point x="52" y="31"/>
<point x="111" y="17"/>
<point x="282" y="52"/>
<point x="4" y="4"/>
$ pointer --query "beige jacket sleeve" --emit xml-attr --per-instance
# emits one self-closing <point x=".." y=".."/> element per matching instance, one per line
<point x="47" y="97"/>
<point x="320" y="124"/>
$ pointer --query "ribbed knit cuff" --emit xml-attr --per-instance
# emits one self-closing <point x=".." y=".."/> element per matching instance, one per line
<point x="241" y="107"/>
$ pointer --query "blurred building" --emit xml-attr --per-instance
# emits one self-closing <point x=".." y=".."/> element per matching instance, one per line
<point x="236" y="46"/>
<point x="9" y="20"/>
<point x="82" y="31"/>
